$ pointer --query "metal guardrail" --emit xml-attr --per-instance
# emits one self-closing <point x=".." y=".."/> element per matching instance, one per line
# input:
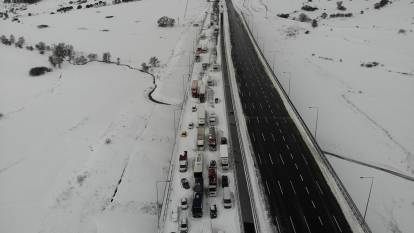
<point x="338" y="181"/>
<point x="243" y="155"/>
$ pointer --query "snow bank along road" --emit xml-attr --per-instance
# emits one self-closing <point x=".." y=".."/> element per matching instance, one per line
<point x="300" y="199"/>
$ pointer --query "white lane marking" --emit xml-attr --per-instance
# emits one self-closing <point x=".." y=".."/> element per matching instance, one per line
<point x="277" y="124"/>
<point x="270" y="157"/>
<point x="280" y="131"/>
<point x="287" y="146"/>
<point x="264" y="139"/>
<point x="267" y="186"/>
<point x="296" y="166"/>
<point x="273" y="137"/>
<point x="313" y="204"/>
<point x="254" y="138"/>
<point x="271" y="111"/>
<point x="307" y="226"/>
<point x="293" y="188"/>
<point x="320" y="220"/>
<point x="260" y="159"/>
<point x="283" y="137"/>
<point x="277" y="224"/>
<point x="301" y="178"/>
<point x="291" y="155"/>
<point x="317" y="183"/>
<point x="281" y="158"/>
<point x="304" y="159"/>
<point x="291" y="222"/>
<point x="307" y="190"/>
<point x="257" y="119"/>
<point x="260" y="105"/>
<point x="337" y="223"/>
<point x="280" y="187"/>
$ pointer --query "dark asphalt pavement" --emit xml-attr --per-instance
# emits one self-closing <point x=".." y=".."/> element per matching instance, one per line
<point x="299" y="198"/>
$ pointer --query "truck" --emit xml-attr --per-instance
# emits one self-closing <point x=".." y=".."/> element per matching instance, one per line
<point x="224" y="156"/>
<point x="194" y="88"/>
<point x="212" y="118"/>
<point x="183" y="162"/>
<point x="197" y="208"/>
<point x="212" y="139"/>
<point x="212" y="181"/>
<point x="200" y="138"/>
<point x="201" y="116"/>
<point x="198" y="166"/>
<point x="202" y="92"/>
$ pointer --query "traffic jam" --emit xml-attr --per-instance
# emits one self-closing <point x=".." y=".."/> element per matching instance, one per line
<point x="202" y="198"/>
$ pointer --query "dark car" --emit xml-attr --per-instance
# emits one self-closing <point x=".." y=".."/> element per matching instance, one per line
<point x="185" y="183"/>
<point x="223" y="140"/>
<point x="224" y="181"/>
<point x="213" y="163"/>
<point x="213" y="211"/>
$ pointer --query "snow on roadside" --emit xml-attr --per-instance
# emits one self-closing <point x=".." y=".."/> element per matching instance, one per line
<point x="53" y="133"/>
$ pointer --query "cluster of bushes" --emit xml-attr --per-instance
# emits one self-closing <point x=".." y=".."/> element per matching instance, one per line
<point x="309" y="8"/>
<point x="370" y="64"/>
<point x="11" y="40"/>
<point x="64" y="9"/>
<point x="285" y="16"/>
<point x="166" y="22"/>
<point x="339" y="15"/>
<point x="4" y="15"/>
<point x="96" y="4"/>
<point x="304" y="18"/>
<point x="36" y="71"/>
<point x="381" y="4"/>
<point x="153" y="62"/>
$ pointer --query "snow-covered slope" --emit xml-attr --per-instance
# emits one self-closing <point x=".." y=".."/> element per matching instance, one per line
<point x="57" y="171"/>
<point x="364" y="113"/>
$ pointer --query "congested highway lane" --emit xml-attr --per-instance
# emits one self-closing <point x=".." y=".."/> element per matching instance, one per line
<point x="299" y="198"/>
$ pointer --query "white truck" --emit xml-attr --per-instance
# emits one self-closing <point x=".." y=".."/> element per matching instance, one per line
<point x="224" y="156"/>
<point x="200" y="138"/>
<point x="201" y="116"/>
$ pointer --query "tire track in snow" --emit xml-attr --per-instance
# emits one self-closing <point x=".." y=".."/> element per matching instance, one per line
<point x="409" y="156"/>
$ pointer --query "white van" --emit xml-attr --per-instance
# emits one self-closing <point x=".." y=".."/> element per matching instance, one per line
<point x="183" y="224"/>
<point x="227" y="198"/>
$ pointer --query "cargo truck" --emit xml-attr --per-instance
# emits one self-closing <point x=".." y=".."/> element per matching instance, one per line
<point x="194" y="88"/>
<point x="212" y="181"/>
<point x="198" y="166"/>
<point x="212" y="139"/>
<point x="202" y="92"/>
<point x="200" y="138"/>
<point x="201" y="116"/>
<point x="183" y="162"/>
<point x="224" y="156"/>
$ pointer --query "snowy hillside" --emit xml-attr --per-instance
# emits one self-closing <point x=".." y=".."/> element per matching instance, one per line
<point x="82" y="147"/>
<point x="358" y="71"/>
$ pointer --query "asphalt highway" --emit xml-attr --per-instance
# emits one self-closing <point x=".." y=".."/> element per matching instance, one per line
<point x="299" y="198"/>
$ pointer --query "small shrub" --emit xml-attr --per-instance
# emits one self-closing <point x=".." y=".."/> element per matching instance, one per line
<point x="314" y="23"/>
<point x="381" y="4"/>
<point x="285" y="16"/>
<point x="304" y="18"/>
<point x="1" y="115"/>
<point x="144" y="67"/>
<point x="36" y="71"/>
<point x="339" y="6"/>
<point x="309" y="8"/>
<point x="402" y="31"/>
<point x="324" y="15"/>
<point x="108" y="141"/>
<point x="166" y="22"/>
<point x="79" y="7"/>
<point x="93" y="57"/>
<point x="106" y="57"/>
<point x="30" y="48"/>
<point x="154" y="62"/>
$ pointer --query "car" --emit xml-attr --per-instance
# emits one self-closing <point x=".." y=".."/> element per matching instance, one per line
<point x="194" y="109"/>
<point x="216" y="100"/>
<point x="213" y="163"/>
<point x="224" y="181"/>
<point x="183" y="225"/>
<point x="183" y="134"/>
<point x="213" y="211"/>
<point x="223" y="140"/>
<point x="183" y="203"/>
<point x="190" y="125"/>
<point x="185" y="183"/>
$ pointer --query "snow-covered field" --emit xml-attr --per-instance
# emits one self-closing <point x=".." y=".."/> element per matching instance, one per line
<point x="57" y="173"/>
<point x="364" y="113"/>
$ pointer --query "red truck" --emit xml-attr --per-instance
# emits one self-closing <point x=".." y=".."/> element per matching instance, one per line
<point x="212" y="181"/>
<point x="212" y="140"/>
<point x="194" y="88"/>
